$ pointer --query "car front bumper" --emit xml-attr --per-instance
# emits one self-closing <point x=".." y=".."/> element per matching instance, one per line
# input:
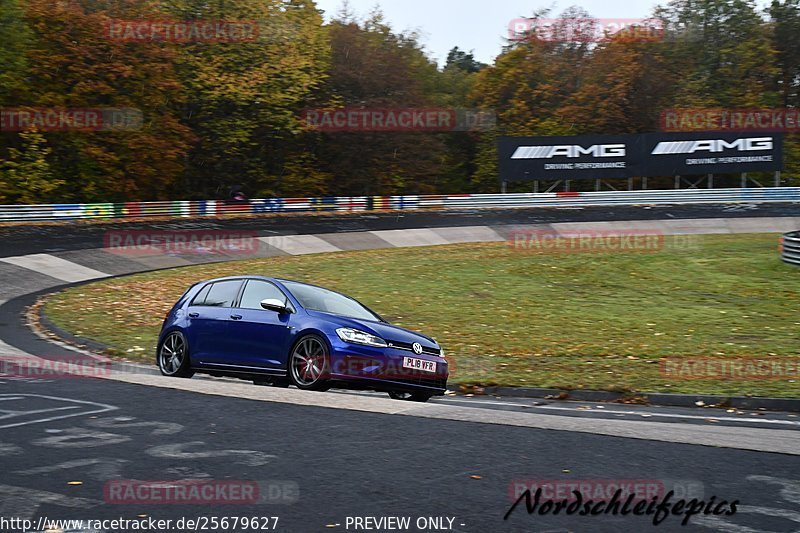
<point x="382" y="368"/>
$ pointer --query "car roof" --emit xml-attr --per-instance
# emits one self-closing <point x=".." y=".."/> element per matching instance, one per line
<point x="245" y="276"/>
<point x="264" y="278"/>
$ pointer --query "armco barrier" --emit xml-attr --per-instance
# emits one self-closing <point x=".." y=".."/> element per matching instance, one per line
<point x="213" y="208"/>
<point x="790" y="248"/>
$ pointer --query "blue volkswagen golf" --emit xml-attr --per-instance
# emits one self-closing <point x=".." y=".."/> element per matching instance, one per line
<point x="280" y="332"/>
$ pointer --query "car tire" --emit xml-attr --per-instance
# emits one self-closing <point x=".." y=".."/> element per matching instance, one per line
<point x="173" y="356"/>
<point x="309" y="364"/>
<point x="421" y="397"/>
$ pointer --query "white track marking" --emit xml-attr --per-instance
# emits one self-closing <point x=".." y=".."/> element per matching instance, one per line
<point x="789" y="492"/>
<point x="55" y="267"/>
<point x="469" y="234"/>
<point x="300" y="244"/>
<point x="77" y="437"/>
<point x="12" y="414"/>
<point x="23" y="503"/>
<point x="633" y="413"/>
<point x="406" y="238"/>
<point x="7" y="449"/>
<point x="7" y="349"/>
<point x="100" y="408"/>
<point x="176" y="451"/>
<point x="100" y="468"/>
<point x="160" y="428"/>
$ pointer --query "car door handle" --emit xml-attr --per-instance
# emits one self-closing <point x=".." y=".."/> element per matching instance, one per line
<point x="194" y="315"/>
<point x="236" y="317"/>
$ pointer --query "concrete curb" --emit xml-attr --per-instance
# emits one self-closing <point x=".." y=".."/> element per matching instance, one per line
<point x="651" y="398"/>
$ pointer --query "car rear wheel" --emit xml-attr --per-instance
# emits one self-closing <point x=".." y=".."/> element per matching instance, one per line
<point x="309" y="364"/>
<point x="173" y="356"/>
<point x="410" y="396"/>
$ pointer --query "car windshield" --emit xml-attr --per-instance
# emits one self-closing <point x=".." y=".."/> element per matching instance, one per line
<point x="319" y="299"/>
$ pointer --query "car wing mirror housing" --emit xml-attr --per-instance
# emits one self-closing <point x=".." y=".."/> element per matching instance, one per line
<point x="278" y="306"/>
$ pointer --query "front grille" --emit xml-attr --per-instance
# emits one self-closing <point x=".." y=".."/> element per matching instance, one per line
<point x="407" y="346"/>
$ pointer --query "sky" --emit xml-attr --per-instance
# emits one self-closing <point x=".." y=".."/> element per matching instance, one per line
<point x="479" y="25"/>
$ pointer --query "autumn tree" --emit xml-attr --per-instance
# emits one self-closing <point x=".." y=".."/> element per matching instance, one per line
<point x="25" y="173"/>
<point x="721" y="51"/>
<point x="625" y="85"/>
<point x="73" y="63"/>
<point x="529" y="84"/>
<point x="374" y="67"/>
<point x="15" y="36"/>
<point x="785" y="22"/>
<point x="243" y="99"/>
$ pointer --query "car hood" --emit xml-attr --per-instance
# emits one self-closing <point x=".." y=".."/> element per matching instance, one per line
<point x="385" y="331"/>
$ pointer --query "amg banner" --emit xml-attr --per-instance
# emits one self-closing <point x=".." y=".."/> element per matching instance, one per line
<point x="582" y="157"/>
<point x="681" y="154"/>
<point x="628" y="156"/>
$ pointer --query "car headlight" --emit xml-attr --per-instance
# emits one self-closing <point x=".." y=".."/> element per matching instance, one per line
<point x="360" y="337"/>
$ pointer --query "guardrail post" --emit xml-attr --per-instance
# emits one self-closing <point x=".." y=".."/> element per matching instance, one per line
<point x="790" y="248"/>
<point x="777" y="178"/>
<point x="503" y="187"/>
<point x="711" y="181"/>
<point x="552" y="187"/>
<point x="677" y="182"/>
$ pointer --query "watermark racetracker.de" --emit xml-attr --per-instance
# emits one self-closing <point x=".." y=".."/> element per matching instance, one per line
<point x="200" y="492"/>
<point x="586" y="30"/>
<point x="731" y="368"/>
<point x="182" y="31"/>
<point x="205" y="31"/>
<point x="548" y="241"/>
<point x="408" y="119"/>
<point x="73" y="366"/>
<point x="83" y="119"/>
<point x="177" y="242"/>
<point x="732" y="120"/>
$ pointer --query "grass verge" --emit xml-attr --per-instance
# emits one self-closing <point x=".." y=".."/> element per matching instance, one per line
<point x="599" y="321"/>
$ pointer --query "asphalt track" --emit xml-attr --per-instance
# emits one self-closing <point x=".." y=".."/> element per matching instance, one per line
<point x="322" y="460"/>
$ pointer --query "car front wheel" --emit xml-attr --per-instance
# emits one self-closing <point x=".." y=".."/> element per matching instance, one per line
<point x="410" y="396"/>
<point x="309" y="364"/>
<point x="173" y="356"/>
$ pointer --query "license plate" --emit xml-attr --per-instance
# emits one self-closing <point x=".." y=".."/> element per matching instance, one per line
<point x="419" y="364"/>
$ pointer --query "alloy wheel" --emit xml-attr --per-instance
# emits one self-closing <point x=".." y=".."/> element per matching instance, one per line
<point x="173" y="358"/>
<point x="309" y="363"/>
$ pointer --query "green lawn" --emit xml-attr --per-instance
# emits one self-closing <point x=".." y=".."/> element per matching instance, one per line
<point x="580" y="320"/>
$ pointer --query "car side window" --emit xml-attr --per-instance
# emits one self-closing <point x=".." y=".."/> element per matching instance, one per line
<point x="256" y="291"/>
<point x="200" y="299"/>
<point x="221" y="294"/>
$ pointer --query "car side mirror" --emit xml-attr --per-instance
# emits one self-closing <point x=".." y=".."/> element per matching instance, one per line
<point x="278" y="306"/>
